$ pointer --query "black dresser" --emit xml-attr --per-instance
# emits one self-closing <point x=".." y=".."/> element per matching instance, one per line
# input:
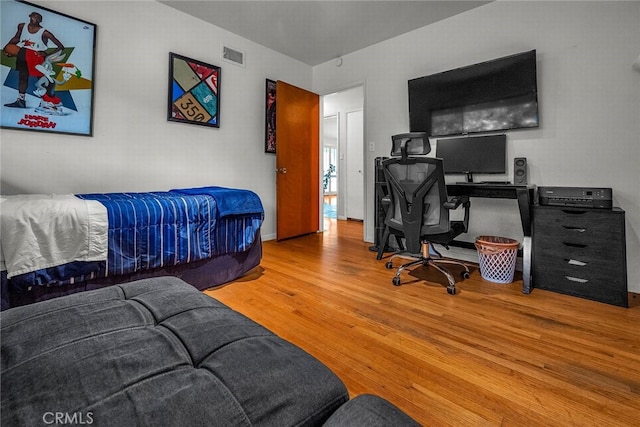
<point x="581" y="252"/>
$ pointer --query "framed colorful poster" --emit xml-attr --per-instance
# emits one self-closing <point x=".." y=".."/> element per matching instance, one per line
<point x="194" y="91"/>
<point x="270" y="118"/>
<point x="47" y="70"/>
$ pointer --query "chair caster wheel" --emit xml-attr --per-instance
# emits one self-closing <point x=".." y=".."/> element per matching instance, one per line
<point x="389" y="265"/>
<point x="451" y="291"/>
<point x="396" y="281"/>
<point x="465" y="274"/>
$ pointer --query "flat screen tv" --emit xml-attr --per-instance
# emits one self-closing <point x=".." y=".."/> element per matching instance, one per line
<point x="496" y="95"/>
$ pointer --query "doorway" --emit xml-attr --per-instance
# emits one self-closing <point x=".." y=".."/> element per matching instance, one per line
<point x="343" y="154"/>
<point x="329" y="164"/>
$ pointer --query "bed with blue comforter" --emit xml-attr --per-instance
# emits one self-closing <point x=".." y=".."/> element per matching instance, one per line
<point x="53" y="245"/>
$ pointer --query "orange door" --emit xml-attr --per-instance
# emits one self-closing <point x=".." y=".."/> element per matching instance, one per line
<point x="297" y="161"/>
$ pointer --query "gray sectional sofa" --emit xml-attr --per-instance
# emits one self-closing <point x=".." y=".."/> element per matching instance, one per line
<point x="158" y="352"/>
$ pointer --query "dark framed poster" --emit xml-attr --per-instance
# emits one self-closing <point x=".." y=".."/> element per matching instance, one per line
<point x="270" y="117"/>
<point x="194" y="91"/>
<point x="47" y="73"/>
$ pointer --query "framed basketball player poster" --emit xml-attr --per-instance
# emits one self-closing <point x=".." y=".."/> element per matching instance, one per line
<point x="47" y="70"/>
<point x="194" y="91"/>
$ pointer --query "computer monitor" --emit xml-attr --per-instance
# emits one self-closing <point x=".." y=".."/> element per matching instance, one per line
<point x="468" y="155"/>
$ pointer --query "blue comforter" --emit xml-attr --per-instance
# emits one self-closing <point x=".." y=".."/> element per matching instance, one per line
<point x="229" y="201"/>
<point x="157" y="229"/>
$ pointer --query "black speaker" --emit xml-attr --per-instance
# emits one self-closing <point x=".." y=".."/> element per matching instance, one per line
<point x="520" y="171"/>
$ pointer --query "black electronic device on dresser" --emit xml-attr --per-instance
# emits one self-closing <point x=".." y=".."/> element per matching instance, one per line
<point x="585" y="197"/>
<point x="581" y="251"/>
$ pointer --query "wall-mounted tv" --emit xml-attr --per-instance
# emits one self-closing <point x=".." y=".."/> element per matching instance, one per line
<point x="495" y="95"/>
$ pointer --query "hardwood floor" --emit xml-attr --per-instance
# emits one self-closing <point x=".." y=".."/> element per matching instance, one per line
<point x="486" y="356"/>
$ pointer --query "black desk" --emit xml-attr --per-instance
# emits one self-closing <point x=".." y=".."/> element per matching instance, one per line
<point x="525" y="194"/>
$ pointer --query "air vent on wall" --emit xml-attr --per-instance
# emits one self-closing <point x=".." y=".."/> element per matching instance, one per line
<point x="233" y="55"/>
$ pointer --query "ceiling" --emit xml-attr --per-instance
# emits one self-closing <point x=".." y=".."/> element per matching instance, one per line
<point x="314" y="32"/>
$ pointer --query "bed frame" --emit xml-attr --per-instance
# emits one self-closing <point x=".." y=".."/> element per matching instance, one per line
<point x="201" y="274"/>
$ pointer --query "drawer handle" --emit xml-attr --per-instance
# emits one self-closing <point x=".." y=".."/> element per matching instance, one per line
<point x="570" y="212"/>
<point x="572" y="228"/>
<point x="576" y="279"/>
<point x="575" y="262"/>
<point x="574" y="245"/>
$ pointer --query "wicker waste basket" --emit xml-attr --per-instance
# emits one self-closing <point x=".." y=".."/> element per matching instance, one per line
<point x="497" y="258"/>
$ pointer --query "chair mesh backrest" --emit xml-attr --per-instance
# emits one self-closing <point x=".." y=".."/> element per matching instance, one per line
<point x="418" y="192"/>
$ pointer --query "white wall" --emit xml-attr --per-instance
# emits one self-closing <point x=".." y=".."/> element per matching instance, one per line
<point x="134" y="147"/>
<point x="588" y="92"/>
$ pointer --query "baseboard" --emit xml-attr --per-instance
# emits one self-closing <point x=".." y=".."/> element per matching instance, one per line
<point x="266" y="237"/>
<point x="634" y="299"/>
<point x="466" y="251"/>
<point x="471" y="245"/>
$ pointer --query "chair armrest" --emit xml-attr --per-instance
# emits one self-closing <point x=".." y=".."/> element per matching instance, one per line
<point x="455" y="202"/>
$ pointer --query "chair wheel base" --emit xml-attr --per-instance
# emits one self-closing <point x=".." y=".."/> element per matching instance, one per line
<point x="396" y="281"/>
<point x="465" y="275"/>
<point x="451" y="290"/>
<point x="389" y="265"/>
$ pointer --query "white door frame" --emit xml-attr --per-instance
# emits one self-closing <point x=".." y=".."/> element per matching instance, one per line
<point x="366" y="168"/>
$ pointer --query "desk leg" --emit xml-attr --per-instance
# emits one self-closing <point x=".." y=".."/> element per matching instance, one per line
<point x="524" y="205"/>
<point x="526" y="265"/>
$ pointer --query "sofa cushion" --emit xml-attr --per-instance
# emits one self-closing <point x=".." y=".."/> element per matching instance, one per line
<point x="156" y="352"/>
<point x="368" y="410"/>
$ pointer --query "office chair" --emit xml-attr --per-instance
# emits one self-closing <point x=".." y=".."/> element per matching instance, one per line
<point x="417" y="207"/>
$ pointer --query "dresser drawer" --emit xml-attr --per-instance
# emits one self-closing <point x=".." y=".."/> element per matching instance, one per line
<point x="607" y="275"/>
<point x="593" y="253"/>
<point x="578" y="226"/>
<point x="593" y="288"/>
<point x="580" y="217"/>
